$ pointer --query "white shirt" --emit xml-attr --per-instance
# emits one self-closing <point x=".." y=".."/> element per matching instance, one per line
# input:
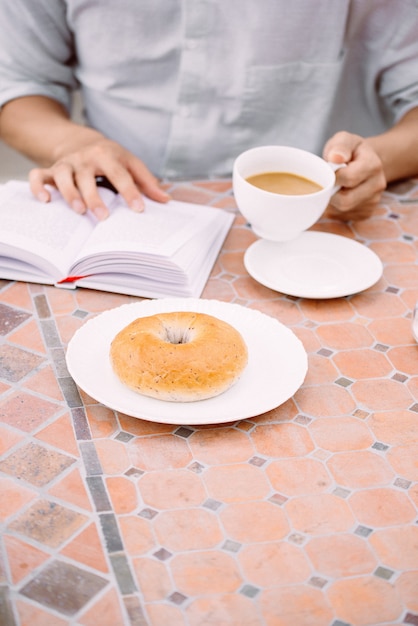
<point x="188" y="84"/>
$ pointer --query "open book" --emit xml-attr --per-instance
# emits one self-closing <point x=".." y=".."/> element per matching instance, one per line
<point x="168" y="250"/>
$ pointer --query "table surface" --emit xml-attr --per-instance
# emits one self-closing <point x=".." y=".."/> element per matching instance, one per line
<point x="304" y="516"/>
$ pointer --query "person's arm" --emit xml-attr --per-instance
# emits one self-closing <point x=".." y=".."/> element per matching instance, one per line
<point x="71" y="155"/>
<point x="398" y="148"/>
<point x="372" y="163"/>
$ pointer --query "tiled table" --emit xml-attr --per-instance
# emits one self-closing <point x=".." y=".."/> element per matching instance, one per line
<point x="304" y="516"/>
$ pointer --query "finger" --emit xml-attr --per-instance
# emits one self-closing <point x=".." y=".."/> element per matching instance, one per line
<point x="86" y="184"/>
<point x="147" y="182"/>
<point x="347" y="200"/>
<point x="63" y="176"/>
<point x="38" y="178"/>
<point x="340" y="147"/>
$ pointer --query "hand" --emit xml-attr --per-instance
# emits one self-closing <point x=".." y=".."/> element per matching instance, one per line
<point x="361" y="182"/>
<point x="74" y="176"/>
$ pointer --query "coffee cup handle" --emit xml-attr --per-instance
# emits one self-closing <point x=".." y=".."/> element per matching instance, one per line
<point x="335" y="167"/>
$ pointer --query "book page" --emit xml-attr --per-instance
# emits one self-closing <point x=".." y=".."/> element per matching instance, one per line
<point x="160" y="230"/>
<point x="46" y="235"/>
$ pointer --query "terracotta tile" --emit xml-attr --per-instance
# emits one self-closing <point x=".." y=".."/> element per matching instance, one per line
<point x="23" y="558"/>
<point x="298" y="476"/>
<point x="327" y="400"/>
<point x="226" y="609"/>
<point x="254" y="522"/>
<point x="60" y="434"/>
<point x="122" y="493"/>
<point x="360" y="469"/>
<point x="61" y="301"/>
<point x="11" y="318"/>
<point x="365" y="600"/>
<point x="345" y="336"/>
<point x="137" y="535"/>
<point x="35" y="464"/>
<point x="382" y="507"/>
<point x="283" y="310"/>
<point x="140" y="427"/>
<point x="397" y="547"/>
<point x="403" y="459"/>
<point x="205" y="572"/>
<point x="63" y="587"/>
<point x="320" y="370"/>
<point x="67" y="327"/>
<point x="45" y="382"/>
<point x="98" y="301"/>
<point x="377" y="306"/>
<point x="283" y="413"/>
<point x="16" y="363"/>
<point x="18" y="295"/>
<point x="86" y="548"/>
<point x="159" y="452"/>
<point x="112" y="455"/>
<point x="280" y="440"/>
<point x="238" y="240"/>
<point x="327" y="310"/>
<point x="362" y="364"/>
<point x="341" y="555"/>
<point x="394" y="427"/>
<point x="318" y="514"/>
<point x="404" y="359"/>
<point x="102" y="421"/>
<point x="71" y="490"/>
<point x="344" y="433"/>
<point x="377" y="229"/>
<point x="8" y="439"/>
<point x="404" y="276"/>
<point x="107" y="611"/>
<point x="48" y="523"/>
<point x="164" y="614"/>
<point x="32" y="615"/>
<point x="26" y="411"/>
<point x="219" y="290"/>
<point x="29" y="337"/>
<point x="187" y="529"/>
<point x="274" y="564"/>
<point x="236" y="483"/>
<point x="13" y="497"/>
<point x="153" y="579"/>
<point x="397" y="252"/>
<point x="391" y="332"/>
<point x="407" y="586"/>
<point x="295" y="604"/>
<point x="379" y="393"/>
<point x="172" y="489"/>
<point x="219" y="446"/>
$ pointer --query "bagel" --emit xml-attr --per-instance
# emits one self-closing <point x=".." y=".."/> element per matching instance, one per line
<point x="179" y="357"/>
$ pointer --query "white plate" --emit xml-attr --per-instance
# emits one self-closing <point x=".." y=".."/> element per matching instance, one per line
<point x="277" y="364"/>
<point x="314" y="265"/>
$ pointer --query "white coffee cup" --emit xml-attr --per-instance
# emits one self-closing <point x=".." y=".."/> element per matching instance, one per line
<point x="275" y="216"/>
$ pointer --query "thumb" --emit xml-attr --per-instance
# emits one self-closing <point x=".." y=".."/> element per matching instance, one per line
<point x="340" y="147"/>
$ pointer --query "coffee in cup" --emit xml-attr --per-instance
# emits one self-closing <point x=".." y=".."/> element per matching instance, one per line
<point x="281" y="190"/>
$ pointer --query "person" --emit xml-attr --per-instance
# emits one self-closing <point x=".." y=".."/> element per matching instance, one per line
<point x="177" y="89"/>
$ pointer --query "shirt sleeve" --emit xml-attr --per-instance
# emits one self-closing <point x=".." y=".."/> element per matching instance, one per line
<point x="36" y="51"/>
<point x="398" y="80"/>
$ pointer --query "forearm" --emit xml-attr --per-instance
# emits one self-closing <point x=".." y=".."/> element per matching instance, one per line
<point x="41" y="129"/>
<point x="398" y="148"/>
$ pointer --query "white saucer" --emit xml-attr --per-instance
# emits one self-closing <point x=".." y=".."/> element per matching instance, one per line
<point x="277" y="364"/>
<point x="314" y="265"/>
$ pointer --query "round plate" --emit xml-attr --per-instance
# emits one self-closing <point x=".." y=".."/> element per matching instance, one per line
<point x="314" y="265"/>
<point x="277" y="364"/>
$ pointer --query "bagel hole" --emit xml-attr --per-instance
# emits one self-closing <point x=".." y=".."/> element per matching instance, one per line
<point x="177" y="335"/>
